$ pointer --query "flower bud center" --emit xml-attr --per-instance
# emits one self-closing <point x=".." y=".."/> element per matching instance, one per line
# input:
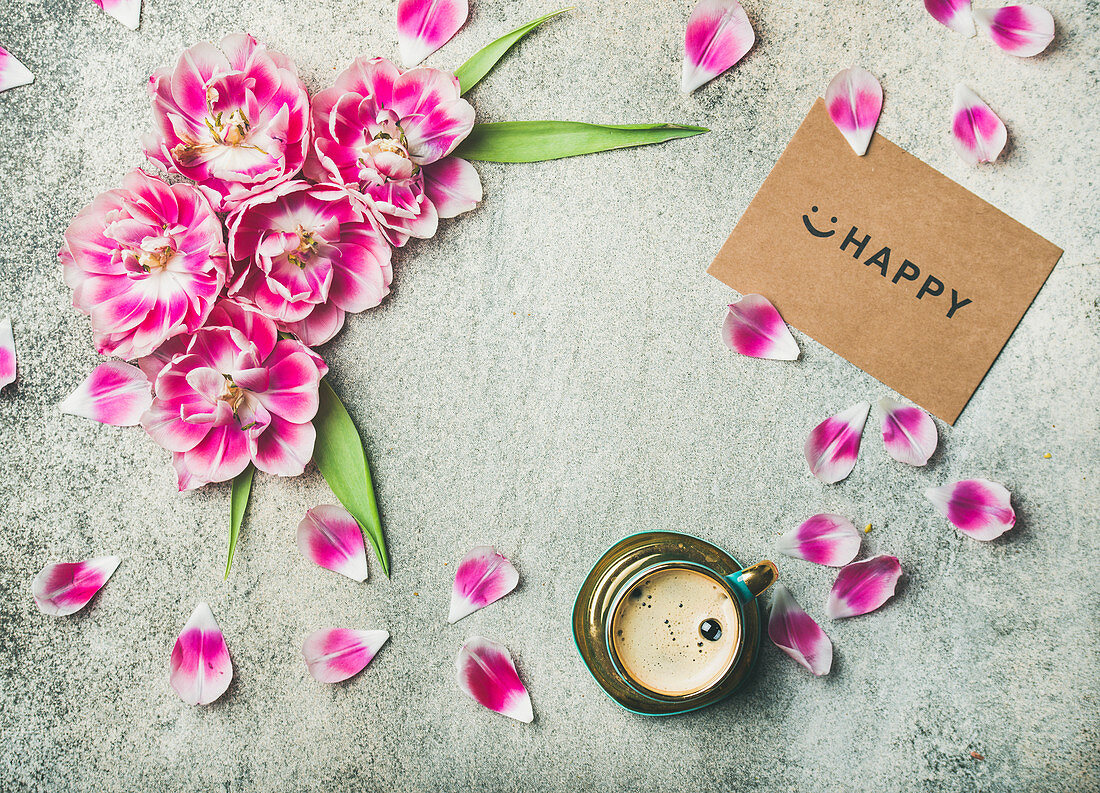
<point x="155" y="260"/>
<point x="232" y="394"/>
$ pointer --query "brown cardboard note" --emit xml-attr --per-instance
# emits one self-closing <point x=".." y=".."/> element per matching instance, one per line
<point x="887" y="262"/>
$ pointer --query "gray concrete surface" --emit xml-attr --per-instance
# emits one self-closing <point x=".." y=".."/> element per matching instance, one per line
<point x="547" y="377"/>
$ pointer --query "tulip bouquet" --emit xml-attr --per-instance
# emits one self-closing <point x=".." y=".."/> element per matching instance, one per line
<point x="280" y="217"/>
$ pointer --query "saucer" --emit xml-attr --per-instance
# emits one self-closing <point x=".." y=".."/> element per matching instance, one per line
<point x="621" y="562"/>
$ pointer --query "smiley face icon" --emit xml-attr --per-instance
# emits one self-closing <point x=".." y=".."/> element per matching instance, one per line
<point x="813" y="230"/>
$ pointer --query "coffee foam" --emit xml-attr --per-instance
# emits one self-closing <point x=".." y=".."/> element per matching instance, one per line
<point x="655" y="632"/>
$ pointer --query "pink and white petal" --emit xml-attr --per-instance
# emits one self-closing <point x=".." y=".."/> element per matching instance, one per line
<point x="907" y="431"/>
<point x="488" y="676"/>
<point x="718" y="35"/>
<point x="978" y="508"/>
<point x="854" y="102"/>
<point x="330" y="537"/>
<point x="753" y="327"/>
<point x="976" y="131"/>
<point x="955" y="14"/>
<point x="1022" y="30"/>
<point x="65" y="588"/>
<point x="200" y="667"/>
<point x="218" y="457"/>
<point x="794" y="632"/>
<point x="128" y="12"/>
<point x="452" y="185"/>
<point x="827" y="539"/>
<point x="115" y="393"/>
<point x="423" y="26"/>
<point x="335" y="654"/>
<point x="482" y="577"/>
<point x="324" y="322"/>
<point x="864" y="586"/>
<point x="833" y="445"/>
<point x="283" y="448"/>
<point x="12" y="72"/>
<point x="7" y="353"/>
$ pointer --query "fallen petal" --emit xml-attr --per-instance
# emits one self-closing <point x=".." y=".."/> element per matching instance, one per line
<point x="977" y="132"/>
<point x="833" y="445"/>
<point x="718" y="36"/>
<point x="12" y="72"/>
<point x="488" y="676"/>
<point x="335" y="654"/>
<point x="128" y="12"/>
<point x="200" y="667"/>
<point x="65" y="588"/>
<point x="330" y="537"/>
<point x="824" y="539"/>
<point x="114" y="393"/>
<point x="863" y="586"/>
<point x="423" y="26"/>
<point x="953" y="13"/>
<point x="483" y="577"/>
<point x="1022" y="31"/>
<point x="794" y="632"/>
<point x="908" y="432"/>
<point x="977" y="507"/>
<point x="854" y="101"/>
<point x="7" y="353"/>
<point x="754" y="328"/>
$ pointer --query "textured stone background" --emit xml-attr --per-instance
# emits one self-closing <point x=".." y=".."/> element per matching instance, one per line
<point x="547" y="377"/>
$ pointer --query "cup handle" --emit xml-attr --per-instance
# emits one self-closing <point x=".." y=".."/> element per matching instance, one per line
<point x="752" y="581"/>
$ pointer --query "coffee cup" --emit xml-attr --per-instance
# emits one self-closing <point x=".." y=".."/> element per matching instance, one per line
<point x="668" y="623"/>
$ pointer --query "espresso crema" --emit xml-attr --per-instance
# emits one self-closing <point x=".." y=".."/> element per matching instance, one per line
<point x="676" y="632"/>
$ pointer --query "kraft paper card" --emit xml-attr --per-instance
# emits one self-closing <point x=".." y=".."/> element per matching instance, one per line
<point x="887" y="262"/>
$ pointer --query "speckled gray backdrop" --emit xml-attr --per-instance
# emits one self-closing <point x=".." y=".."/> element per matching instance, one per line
<point x="547" y="377"/>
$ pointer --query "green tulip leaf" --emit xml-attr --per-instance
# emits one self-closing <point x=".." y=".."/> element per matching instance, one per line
<point x="238" y="500"/>
<point x="339" y="455"/>
<point x="534" y="141"/>
<point x="472" y="71"/>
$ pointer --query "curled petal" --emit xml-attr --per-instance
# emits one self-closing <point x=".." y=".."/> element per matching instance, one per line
<point x="114" y="393"/>
<point x="977" y="507"/>
<point x="833" y="445"/>
<point x="1018" y="30"/>
<point x="488" y="676"/>
<point x="335" y="654"/>
<point x="854" y="101"/>
<point x="423" y="26"/>
<point x="452" y="185"/>
<point x="754" y="328"/>
<point x="128" y="12"/>
<point x="483" y="577"/>
<point x="953" y="13"/>
<point x="329" y="536"/>
<point x="12" y="72"/>
<point x="863" y="586"/>
<point x="825" y="539"/>
<point x="908" y="432"/>
<point x="65" y="588"/>
<point x="794" y="632"/>
<point x="977" y="132"/>
<point x="200" y="667"/>
<point x="7" y="353"/>
<point x="718" y="36"/>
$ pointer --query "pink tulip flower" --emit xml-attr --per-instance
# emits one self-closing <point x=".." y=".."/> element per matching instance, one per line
<point x="298" y="247"/>
<point x="236" y="394"/>
<point x="388" y="133"/>
<point x="233" y="117"/>
<point x="146" y="262"/>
